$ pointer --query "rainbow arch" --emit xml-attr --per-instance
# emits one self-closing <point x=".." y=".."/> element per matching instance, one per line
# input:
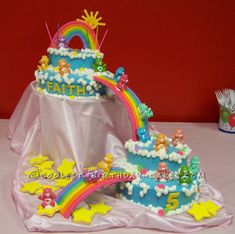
<point x="131" y="102"/>
<point x="77" y="28"/>
<point x="79" y="189"/>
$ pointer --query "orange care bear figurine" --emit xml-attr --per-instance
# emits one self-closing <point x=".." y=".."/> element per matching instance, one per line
<point x="106" y="163"/>
<point x="43" y="63"/>
<point x="161" y="142"/>
<point x="64" y="67"/>
<point x="178" y="137"/>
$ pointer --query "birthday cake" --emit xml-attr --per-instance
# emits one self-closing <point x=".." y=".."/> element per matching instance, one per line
<point x="155" y="172"/>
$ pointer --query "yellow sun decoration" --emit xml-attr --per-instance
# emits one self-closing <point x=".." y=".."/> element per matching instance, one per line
<point x="92" y="19"/>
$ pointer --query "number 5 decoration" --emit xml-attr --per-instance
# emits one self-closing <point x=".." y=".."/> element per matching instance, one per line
<point x="172" y="201"/>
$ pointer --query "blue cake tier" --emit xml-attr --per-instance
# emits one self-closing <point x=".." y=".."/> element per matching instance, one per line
<point x="84" y="58"/>
<point x="146" y="156"/>
<point x="79" y="83"/>
<point x="154" y="194"/>
<point x="69" y="72"/>
<point x="70" y="85"/>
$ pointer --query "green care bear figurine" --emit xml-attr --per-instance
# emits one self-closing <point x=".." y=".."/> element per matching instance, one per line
<point x="194" y="165"/>
<point x="185" y="175"/>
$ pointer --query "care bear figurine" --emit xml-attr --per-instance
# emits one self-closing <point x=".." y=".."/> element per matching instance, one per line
<point x="185" y="175"/>
<point x="61" y="42"/>
<point x="48" y="198"/>
<point x="122" y="83"/>
<point x="161" y="142"/>
<point x="43" y="63"/>
<point x="143" y="135"/>
<point x="106" y="163"/>
<point x="119" y="72"/>
<point x="194" y="165"/>
<point x="64" y="67"/>
<point x="163" y="172"/>
<point x="177" y="137"/>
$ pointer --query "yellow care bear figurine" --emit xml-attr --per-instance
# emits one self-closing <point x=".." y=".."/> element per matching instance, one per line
<point x="106" y="163"/>
<point x="43" y="63"/>
<point x="161" y="142"/>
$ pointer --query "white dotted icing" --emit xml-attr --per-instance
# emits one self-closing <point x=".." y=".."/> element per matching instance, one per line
<point x="144" y="190"/>
<point x="87" y="72"/>
<point x="191" y="190"/>
<point x="130" y="145"/>
<point x="129" y="187"/>
<point x="165" y="190"/>
<point x="122" y="163"/>
<point x="82" y="54"/>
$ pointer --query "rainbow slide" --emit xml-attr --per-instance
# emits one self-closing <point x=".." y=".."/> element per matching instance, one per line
<point x="79" y="189"/>
<point x="131" y="102"/>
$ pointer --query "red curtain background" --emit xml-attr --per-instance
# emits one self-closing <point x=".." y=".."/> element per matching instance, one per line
<point x="175" y="52"/>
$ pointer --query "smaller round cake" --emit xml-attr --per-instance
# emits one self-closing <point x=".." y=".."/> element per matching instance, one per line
<point x="67" y="72"/>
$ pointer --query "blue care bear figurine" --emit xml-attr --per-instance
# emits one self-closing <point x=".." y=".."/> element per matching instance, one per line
<point x="143" y="135"/>
<point x="194" y="165"/>
<point x="145" y="111"/>
<point x="119" y="72"/>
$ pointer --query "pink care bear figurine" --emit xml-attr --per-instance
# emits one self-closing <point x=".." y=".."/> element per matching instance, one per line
<point x="122" y="83"/>
<point x="178" y="137"/>
<point x="163" y="172"/>
<point x="48" y="198"/>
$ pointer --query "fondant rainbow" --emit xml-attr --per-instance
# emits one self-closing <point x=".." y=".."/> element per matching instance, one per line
<point x="77" y="28"/>
<point x="79" y="189"/>
<point x="131" y="102"/>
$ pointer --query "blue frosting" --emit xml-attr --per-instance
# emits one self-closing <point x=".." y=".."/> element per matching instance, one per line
<point x="74" y="62"/>
<point x="152" y="163"/>
<point x="150" y="197"/>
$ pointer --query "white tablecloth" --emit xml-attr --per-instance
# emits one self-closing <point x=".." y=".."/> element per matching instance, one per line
<point x="216" y="151"/>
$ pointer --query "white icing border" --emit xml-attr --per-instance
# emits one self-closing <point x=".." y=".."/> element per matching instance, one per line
<point x="82" y="54"/>
<point x="191" y="190"/>
<point x="130" y="146"/>
<point x="89" y="73"/>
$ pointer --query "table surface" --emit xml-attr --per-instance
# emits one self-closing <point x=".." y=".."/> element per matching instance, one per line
<point x="215" y="149"/>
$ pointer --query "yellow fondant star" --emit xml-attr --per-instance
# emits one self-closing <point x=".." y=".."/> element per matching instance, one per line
<point x="211" y="207"/>
<point x="38" y="160"/>
<point x="40" y="191"/>
<point x="83" y="215"/>
<point x="66" y="168"/>
<point x="72" y="97"/>
<point x="100" y="208"/>
<point x="61" y="183"/>
<point x="31" y="187"/>
<point x="45" y="165"/>
<point x="198" y="212"/>
<point x="48" y="211"/>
